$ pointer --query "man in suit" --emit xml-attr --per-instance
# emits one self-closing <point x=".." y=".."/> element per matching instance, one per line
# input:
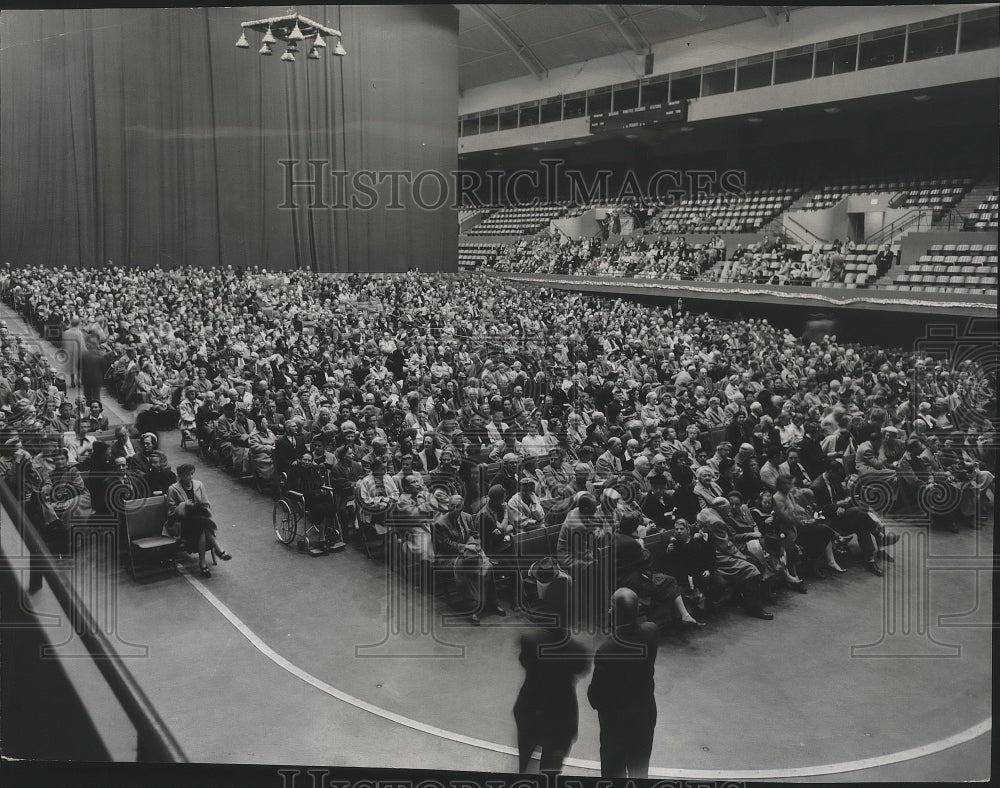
<point x="609" y="464"/>
<point x="456" y="540"/>
<point x="289" y="447"/>
<point x="835" y="503"/>
<point x="622" y="690"/>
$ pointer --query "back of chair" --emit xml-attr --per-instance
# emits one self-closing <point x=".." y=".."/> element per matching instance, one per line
<point x="552" y="535"/>
<point x="530" y="545"/>
<point x="145" y="517"/>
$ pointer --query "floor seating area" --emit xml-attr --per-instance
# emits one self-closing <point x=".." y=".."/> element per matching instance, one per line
<point x="961" y="268"/>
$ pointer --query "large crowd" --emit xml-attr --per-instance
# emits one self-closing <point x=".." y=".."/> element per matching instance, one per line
<point x="768" y="261"/>
<point x="663" y="258"/>
<point x="460" y="413"/>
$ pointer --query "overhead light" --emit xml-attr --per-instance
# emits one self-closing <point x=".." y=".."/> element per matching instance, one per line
<point x="631" y="136"/>
<point x="921" y="97"/>
<point x="831" y="110"/>
<point x="536" y="147"/>
<point x="686" y="128"/>
<point x="755" y="119"/>
<point x="578" y="142"/>
<point x="291" y="28"/>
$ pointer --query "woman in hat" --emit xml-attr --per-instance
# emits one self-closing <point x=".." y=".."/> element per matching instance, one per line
<point x="188" y="509"/>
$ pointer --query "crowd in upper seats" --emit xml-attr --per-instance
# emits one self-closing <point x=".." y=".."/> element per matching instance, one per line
<point x="662" y="258"/>
<point x="770" y="261"/>
<point x="462" y="411"/>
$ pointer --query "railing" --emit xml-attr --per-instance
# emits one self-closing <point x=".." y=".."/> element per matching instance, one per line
<point x="951" y="219"/>
<point x="807" y="240"/>
<point x="155" y="742"/>
<point x="912" y="217"/>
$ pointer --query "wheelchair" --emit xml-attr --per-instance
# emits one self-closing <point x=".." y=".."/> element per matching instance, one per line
<point x="289" y="511"/>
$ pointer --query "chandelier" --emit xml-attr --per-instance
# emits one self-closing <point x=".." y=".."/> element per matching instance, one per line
<point x="292" y="29"/>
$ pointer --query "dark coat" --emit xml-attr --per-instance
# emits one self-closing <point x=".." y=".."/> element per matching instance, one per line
<point x="546" y="707"/>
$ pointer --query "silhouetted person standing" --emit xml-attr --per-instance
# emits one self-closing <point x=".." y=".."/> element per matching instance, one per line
<point x="92" y="374"/>
<point x="546" y="710"/>
<point x="622" y="690"/>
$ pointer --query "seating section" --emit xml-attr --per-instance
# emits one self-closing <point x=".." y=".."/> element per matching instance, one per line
<point x="472" y="257"/>
<point x="797" y="266"/>
<point x="936" y="194"/>
<point x="726" y="213"/>
<point x="518" y="220"/>
<point x="984" y="217"/>
<point x="962" y="268"/>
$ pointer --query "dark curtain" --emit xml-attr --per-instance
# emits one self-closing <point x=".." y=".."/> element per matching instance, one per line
<point x="144" y="137"/>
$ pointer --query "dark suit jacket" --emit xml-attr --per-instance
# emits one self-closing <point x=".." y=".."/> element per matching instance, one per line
<point x="287" y="451"/>
<point x="622" y="685"/>
<point x="824" y="502"/>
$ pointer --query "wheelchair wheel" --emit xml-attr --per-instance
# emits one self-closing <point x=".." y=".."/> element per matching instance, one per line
<point x="284" y="520"/>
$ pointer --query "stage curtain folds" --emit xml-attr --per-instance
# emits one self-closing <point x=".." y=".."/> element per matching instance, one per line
<point x="144" y="136"/>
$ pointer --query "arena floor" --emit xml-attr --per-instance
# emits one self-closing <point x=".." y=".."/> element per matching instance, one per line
<point x="860" y="680"/>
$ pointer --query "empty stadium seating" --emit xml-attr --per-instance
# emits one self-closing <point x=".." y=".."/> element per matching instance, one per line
<point x="936" y="194"/>
<point x="984" y="217"/>
<point x="728" y="213"/>
<point x="471" y="257"/>
<point x="518" y="220"/>
<point x="962" y="268"/>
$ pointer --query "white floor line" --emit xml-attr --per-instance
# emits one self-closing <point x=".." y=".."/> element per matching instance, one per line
<point x="580" y="763"/>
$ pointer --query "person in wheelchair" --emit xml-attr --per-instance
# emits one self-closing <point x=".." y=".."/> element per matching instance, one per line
<point x="309" y="480"/>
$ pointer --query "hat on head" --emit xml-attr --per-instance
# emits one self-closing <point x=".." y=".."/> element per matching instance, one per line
<point x="510" y="457"/>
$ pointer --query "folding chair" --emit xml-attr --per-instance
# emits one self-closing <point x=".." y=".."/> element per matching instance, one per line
<point x="144" y="520"/>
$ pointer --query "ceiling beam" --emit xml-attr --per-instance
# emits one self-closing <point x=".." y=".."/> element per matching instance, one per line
<point x="513" y="42"/>
<point x="623" y="22"/>
<point x="769" y="13"/>
<point x="690" y="11"/>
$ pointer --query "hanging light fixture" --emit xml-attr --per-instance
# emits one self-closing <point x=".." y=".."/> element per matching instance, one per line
<point x="289" y="29"/>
